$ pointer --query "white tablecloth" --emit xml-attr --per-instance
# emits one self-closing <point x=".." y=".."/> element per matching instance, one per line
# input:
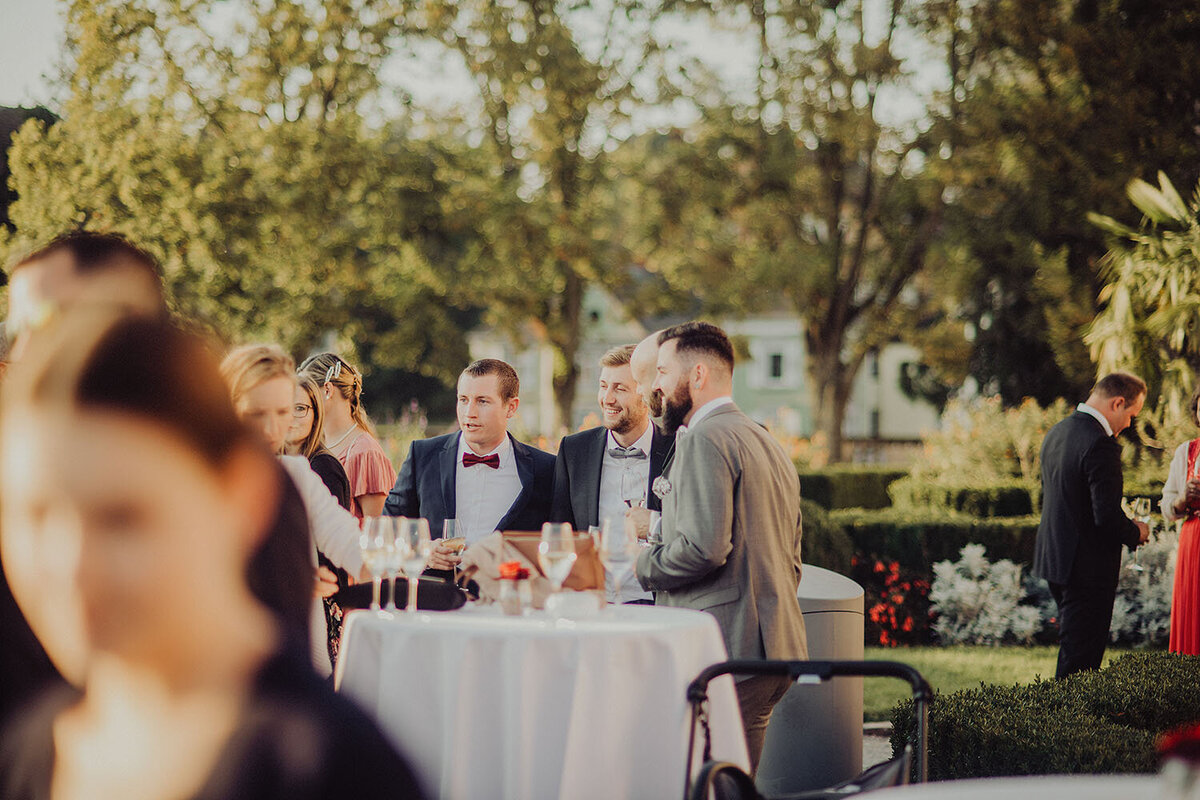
<point x="1047" y="787"/>
<point x="487" y="706"/>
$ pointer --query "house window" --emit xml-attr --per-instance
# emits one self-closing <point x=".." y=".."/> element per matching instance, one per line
<point x="874" y="423"/>
<point x="776" y="368"/>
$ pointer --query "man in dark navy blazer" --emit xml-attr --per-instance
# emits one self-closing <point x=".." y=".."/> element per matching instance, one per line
<point x="604" y="472"/>
<point x="481" y="476"/>
<point x="1078" y="548"/>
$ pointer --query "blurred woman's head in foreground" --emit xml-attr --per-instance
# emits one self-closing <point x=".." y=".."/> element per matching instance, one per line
<point x="133" y="495"/>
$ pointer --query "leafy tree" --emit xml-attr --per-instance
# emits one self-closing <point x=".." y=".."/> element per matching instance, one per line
<point x="11" y="120"/>
<point x="552" y="101"/>
<point x="243" y="156"/>
<point x="1150" y="317"/>
<point x="1053" y="108"/>
<point x="802" y="195"/>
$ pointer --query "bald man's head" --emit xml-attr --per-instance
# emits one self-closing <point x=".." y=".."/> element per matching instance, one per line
<point x="643" y="363"/>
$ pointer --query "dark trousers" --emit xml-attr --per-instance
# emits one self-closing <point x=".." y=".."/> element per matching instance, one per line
<point x="1084" y="616"/>
<point x="757" y="697"/>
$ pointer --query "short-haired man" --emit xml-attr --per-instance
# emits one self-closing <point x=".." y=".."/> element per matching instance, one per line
<point x="481" y="476"/>
<point x="602" y="473"/>
<point x="1078" y="547"/>
<point x="75" y="269"/>
<point x="730" y="518"/>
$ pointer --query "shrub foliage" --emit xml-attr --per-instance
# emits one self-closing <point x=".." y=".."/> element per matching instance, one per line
<point x="1094" y="722"/>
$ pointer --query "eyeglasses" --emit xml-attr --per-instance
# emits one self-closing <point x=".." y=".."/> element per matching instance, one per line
<point x="301" y="410"/>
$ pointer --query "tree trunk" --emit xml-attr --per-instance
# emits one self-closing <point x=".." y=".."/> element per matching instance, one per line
<point x="832" y="381"/>
<point x="565" y="340"/>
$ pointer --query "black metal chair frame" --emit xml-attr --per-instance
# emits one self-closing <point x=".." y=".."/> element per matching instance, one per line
<point x="807" y="672"/>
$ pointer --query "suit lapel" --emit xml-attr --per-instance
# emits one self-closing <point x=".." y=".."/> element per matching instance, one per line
<point x="448" y="464"/>
<point x="589" y="476"/>
<point x="662" y="448"/>
<point x="525" y="473"/>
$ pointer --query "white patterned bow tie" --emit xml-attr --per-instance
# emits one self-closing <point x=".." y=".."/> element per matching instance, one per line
<point x="627" y="452"/>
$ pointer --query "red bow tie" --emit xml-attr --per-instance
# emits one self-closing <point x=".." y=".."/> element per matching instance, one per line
<point x="470" y="460"/>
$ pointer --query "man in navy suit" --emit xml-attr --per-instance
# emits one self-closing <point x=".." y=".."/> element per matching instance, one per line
<point x="1078" y="547"/>
<point x="481" y="476"/>
<point x="606" y="472"/>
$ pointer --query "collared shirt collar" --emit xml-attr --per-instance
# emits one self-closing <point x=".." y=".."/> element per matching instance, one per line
<point x="704" y="410"/>
<point x="504" y="449"/>
<point x="643" y="442"/>
<point x="1085" y="408"/>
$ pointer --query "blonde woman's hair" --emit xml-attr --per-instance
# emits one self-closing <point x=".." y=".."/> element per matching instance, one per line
<point x="314" y="442"/>
<point x="254" y="364"/>
<point x="333" y="369"/>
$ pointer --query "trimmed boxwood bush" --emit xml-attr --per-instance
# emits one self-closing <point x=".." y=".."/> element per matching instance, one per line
<point x="1014" y="498"/>
<point x="823" y="542"/>
<point x="849" y="486"/>
<point x="917" y="539"/>
<point x="1093" y="722"/>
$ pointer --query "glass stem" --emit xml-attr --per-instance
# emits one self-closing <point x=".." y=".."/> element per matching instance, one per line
<point x="378" y="581"/>
<point x="412" y="595"/>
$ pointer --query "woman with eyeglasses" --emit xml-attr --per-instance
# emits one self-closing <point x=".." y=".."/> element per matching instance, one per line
<point x="134" y="498"/>
<point x="306" y="438"/>
<point x="350" y="435"/>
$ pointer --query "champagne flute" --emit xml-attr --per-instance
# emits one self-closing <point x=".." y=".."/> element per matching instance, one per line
<point x="374" y="556"/>
<point x="616" y="544"/>
<point x="389" y="533"/>
<point x="417" y="545"/>
<point x="451" y="540"/>
<point x="1141" y="512"/>
<point x="556" y="553"/>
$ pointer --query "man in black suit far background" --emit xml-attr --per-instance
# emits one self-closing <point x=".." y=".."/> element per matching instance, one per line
<point x="1078" y="548"/>
<point x="606" y="471"/>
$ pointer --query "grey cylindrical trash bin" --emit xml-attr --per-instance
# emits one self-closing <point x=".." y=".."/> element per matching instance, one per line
<point x="815" y="736"/>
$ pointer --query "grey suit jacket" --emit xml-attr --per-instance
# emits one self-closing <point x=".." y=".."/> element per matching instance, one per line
<point x="731" y="536"/>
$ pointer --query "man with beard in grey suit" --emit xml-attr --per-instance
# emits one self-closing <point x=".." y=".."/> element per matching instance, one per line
<point x="730" y="518"/>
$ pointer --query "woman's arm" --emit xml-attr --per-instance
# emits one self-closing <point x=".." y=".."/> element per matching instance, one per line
<point x="1174" y="496"/>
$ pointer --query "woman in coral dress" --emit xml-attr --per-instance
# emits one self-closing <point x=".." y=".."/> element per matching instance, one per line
<point x="349" y="434"/>
<point x="1181" y="500"/>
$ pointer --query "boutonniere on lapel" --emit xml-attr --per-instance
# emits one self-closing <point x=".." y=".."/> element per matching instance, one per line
<point x="661" y="487"/>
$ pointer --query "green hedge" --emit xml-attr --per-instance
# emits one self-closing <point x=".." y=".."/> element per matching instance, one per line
<point x="1015" y="498"/>
<point x="1093" y="722"/>
<point x="823" y="542"/>
<point x="849" y="486"/>
<point x="918" y="539"/>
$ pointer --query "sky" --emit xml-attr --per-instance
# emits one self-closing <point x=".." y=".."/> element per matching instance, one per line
<point x="31" y="33"/>
<point x="30" y="40"/>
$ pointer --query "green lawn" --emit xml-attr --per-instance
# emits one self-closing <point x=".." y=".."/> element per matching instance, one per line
<point x="949" y="669"/>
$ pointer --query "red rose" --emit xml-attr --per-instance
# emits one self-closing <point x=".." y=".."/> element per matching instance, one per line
<point x="511" y="571"/>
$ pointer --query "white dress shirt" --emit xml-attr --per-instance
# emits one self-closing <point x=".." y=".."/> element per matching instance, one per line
<point x="484" y="495"/>
<point x="1085" y="408"/>
<point x="616" y="473"/>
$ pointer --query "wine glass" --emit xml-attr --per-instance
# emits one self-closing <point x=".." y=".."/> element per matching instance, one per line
<point x="556" y="552"/>
<point x="633" y="488"/>
<point x="1141" y="512"/>
<point x="417" y="546"/>
<point x="616" y="544"/>
<point x="374" y="556"/>
<point x="388" y="533"/>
